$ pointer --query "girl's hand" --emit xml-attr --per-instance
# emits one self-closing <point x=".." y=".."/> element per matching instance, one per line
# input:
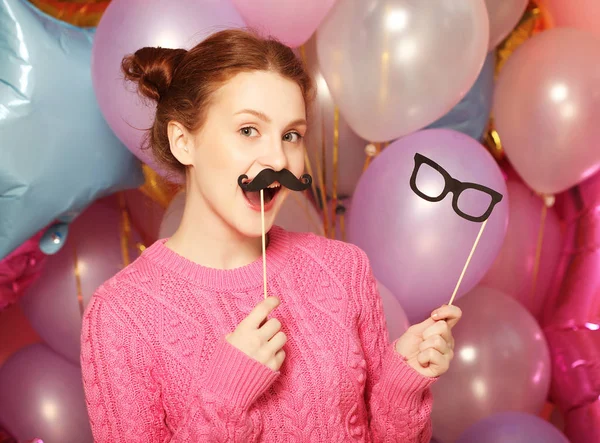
<point x="259" y="338"/>
<point x="429" y="346"/>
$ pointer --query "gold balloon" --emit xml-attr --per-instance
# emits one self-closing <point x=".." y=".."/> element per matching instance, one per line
<point x="82" y="13"/>
<point x="534" y="20"/>
<point x="157" y="188"/>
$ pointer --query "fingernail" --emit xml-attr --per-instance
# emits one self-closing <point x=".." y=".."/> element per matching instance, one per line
<point x="435" y="314"/>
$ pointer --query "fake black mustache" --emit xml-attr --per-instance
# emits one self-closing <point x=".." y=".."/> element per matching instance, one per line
<point x="266" y="177"/>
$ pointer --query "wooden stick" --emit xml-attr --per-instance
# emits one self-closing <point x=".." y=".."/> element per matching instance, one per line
<point x="264" y="243"/>
<point x="462" y="274"/>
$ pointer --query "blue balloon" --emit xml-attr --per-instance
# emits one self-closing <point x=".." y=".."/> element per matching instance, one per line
<point x="54" y="238"/>
<point x="57" y="154"/>
<point x="471" y="115"/>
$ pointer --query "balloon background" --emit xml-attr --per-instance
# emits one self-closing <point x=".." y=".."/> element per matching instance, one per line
<point x="505" y="94"/>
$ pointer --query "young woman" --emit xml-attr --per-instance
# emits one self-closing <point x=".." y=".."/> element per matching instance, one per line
<point x="182" y="346"/>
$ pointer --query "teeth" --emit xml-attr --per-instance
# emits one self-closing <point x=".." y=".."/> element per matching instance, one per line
<point x="274" y="185"/>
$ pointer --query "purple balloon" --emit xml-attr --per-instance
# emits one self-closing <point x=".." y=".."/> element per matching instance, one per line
<point x="418" y="248"/>
<point x="128" y="25"/>
<point x="501" y="363"/>
<point x="513" y="427"/>
<point x="51" y="303"/>
<point x="41" y="396"/>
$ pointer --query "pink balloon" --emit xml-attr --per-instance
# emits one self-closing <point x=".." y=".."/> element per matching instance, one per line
<point x="504" y="16"/>
<point x="128" y="25"/>
<point x="41" y="395"/>
<point x="15" y="332"/>
<point x="51" y="304"/>
<point x="290" y="21"/>
<point x="351" y="147"/>
<point x="501" y="363"/>
<point x="513" y="270"/>
<point x="298" y="214"/>
<point x="581" y="14"/>
<point x="547" y="108"/>
<point x="395" y="66"/>
<point x="146" y="215"/>
<point x="418" y="248"/>
<point x="572" y="317"/>
<point x="396" y="319"/>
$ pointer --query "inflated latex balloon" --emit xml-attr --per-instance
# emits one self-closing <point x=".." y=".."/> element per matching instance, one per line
<point x="514" y="271"/>
<point x="57" y="152"/>
<point x="513" y="427"/>
<point x="92" y="254"/>
<point x="41" y="395"/>
<point x="472" y="114"/>
<point x="321" y="136"/>
<point x="395" y="66"/>
<point x="501" y="363"/>
<point x="418" y="223"/>
<point x="504" y="16"/>
<point x="581" y="14"/>
<point x="128" y="25"/>
<point x="291" y="21"/>
<point x="547" y="107"/>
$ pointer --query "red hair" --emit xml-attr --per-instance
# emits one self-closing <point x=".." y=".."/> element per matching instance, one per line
<point x="182" y="82"/>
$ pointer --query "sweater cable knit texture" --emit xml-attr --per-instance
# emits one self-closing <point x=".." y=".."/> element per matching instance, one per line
<point x="157" y="368"/>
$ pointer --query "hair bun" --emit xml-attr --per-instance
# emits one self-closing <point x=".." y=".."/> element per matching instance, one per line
<point x="152" y="69"/>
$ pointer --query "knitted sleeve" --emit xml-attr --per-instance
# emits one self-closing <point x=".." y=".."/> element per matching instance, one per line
<point x="398" y="398"/>
<point x="123" y="392"/>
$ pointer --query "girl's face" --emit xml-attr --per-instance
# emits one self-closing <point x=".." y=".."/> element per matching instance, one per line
<point x="256" y="120"/>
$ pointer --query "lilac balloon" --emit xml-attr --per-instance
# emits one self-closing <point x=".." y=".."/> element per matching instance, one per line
<point x="128" y="25"/>
<point x="396" y="319"/>
<point x="418" y="248"/>
<point x="502" y="363"/>
<point x="51" y="304"/>
<point x="41" y="395"/>
<point x="513" y="427"/>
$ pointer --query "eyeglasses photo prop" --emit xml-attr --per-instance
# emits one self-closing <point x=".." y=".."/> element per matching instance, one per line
<point x="458" y="189"/>
<point x="262" y="181"/>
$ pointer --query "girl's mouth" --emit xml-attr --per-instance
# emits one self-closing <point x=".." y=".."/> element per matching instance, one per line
<point x="270" y="193"/>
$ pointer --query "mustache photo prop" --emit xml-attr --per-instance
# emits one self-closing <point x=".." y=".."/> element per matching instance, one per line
<point x="457" y="188"/>
<point x="262" y="181"/>
<point x="267" y="177"/>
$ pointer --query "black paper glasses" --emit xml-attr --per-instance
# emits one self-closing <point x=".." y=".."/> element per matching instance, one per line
<point x="456" y="187"/>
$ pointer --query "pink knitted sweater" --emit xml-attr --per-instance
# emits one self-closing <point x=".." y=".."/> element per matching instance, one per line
<point x="156" y="366"/>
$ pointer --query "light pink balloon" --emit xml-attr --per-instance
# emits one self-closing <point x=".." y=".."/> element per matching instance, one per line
<point x="51" y="304"/>
<point x="395" y="66"/>
<point x="513" y="270"/>
<point x="501" y="363"/>
<point x="504" y="16"/>
<point x="396" y="319"/>
<point x="41" y="396"/>
<point x="128" y="25"/>
<point x="351" y="147"/>
<point x="581" y="14"/>
<point x="547" y="109"/>
<point x="290" y="21"/>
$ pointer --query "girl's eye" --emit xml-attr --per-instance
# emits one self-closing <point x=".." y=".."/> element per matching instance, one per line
<point x="249" y="131"/>
<point x="292" y="137"/>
